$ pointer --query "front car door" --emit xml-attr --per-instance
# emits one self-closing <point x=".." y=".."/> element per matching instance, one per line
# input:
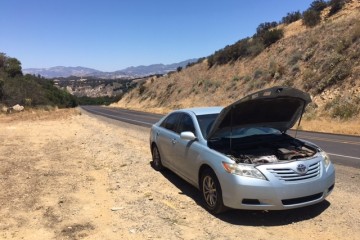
<point x="187" y="152"/>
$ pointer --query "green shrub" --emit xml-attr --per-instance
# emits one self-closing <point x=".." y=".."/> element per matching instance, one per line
<point x="295" y="57"/>
<point x="345" y="111"/>
<point x="170" y="88"/>
<point x="311" y="18"/>
<point x="340" y="72"/>
<point x="209" y="85"/>
<point x="356" y="31"/>
<point x="309" y="80"/>
<point x="247" y="47"/>
<point x="295" y="69"/>
<point x="255" y="48"/>
<point x="309" y="54"/>
<point x="29" y="90"/>
<point x="342" y="45"/>
<point x="291" y="17"/>
<point x="247" y="78"/>
<point x="236" y="78"/>
<point x="318" y="5"/>
<point x="310" y="112"/>
<point x="330" y="63"/>
<point x="141" y="88"/>
<point x="264" y="27"/>
<point x="272" y="36"/>
<point x="272" y="68"/>
<point x="258" y="73"/>
<point x="336" y="6"/>
<point x="98" y="100"/>
<point x="255" y="84"/>
<point x="312" y="41"/>
<point x="211" y="60"/>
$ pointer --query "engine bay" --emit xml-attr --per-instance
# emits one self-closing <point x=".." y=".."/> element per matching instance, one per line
<point x="272" y="155"/>
<point x="266" y="150"/>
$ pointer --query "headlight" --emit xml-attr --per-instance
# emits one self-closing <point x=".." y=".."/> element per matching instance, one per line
<point x="326" y="158"/>
<point x="243" y="170"/>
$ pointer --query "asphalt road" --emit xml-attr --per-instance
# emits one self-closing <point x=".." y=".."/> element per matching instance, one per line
<point x="342" y="149"/>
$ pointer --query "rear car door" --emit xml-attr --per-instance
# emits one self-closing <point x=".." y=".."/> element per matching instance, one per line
<point x="167" y="136"/>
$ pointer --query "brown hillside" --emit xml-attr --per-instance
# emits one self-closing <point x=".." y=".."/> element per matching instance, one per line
<point x="323" y="60"/>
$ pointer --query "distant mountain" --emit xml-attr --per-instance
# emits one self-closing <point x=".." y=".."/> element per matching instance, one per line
<point x="129" y="72"/>
<point x="156" y="68"/>
<point x="61" y="71"/>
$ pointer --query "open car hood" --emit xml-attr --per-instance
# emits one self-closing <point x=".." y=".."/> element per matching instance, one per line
<point x="276" y="107"/>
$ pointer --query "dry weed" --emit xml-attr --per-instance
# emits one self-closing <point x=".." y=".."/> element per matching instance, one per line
<point x="39" y="114"/>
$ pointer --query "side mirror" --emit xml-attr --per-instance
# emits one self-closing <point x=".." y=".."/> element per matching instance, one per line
<point x="187" y="136"/>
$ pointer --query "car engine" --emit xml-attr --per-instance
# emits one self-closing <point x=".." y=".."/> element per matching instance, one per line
<point x="267" y="155"/>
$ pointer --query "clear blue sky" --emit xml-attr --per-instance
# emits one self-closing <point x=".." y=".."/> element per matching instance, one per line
<point x="110" y="35"/>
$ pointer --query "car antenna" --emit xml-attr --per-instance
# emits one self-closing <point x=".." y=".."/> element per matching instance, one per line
<point x="297" y="128"/>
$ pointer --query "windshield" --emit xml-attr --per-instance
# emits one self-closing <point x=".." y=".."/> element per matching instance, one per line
<point x="205" y="123"/>
<point x="246" y="132"/>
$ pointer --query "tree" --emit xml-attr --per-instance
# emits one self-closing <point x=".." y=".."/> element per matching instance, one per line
<point x="291" y="17"/>
<point x="3" y="75"/>
<point x="318" y="5"/>
<point x="311" y="18"/>
<point x="336" y="5"/>
<point x="13" y="67"/>
<point x="272" y="36"/>
<point x="178" y="69"/>
<point x="1" y="89"/>
<point x="264" y="27"/>
<point x="2" y="60"/>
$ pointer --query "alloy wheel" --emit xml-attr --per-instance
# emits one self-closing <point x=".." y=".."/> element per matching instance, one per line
<point x="209" y="191"/>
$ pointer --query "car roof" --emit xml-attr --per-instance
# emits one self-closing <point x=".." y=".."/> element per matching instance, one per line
<point x="203" y="110"/>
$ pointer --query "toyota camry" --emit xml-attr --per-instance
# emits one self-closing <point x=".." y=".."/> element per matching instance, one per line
<point x="241" y="156"/>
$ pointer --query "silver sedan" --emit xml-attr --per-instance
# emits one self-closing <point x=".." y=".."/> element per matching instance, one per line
<point x="241" y="157"/>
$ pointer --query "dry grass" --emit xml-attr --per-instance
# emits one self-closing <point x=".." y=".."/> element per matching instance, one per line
<point x="326" y="125"/>
<point x="311" y="59"/>
<point x="39" y="114"/>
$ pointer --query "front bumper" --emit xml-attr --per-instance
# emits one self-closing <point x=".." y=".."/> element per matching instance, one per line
<point x="274" y="193"/>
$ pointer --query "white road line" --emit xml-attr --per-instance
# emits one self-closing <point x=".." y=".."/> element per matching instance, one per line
<point x="338" y="155"/>
<point x="128" y="119"/>
<point x="128" y="112"/>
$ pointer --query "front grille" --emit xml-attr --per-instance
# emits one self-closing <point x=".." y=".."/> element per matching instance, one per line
<point x="289" y="175"/>
<point x="301" y="199"/>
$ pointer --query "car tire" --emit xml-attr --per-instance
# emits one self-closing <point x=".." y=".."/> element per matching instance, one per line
<point x="211" y="192"/>
<point x="156" y="159"/>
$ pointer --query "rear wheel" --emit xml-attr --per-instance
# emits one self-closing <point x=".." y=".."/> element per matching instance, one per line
<point x="211" y="192"/>
<point x="156" y="159"/>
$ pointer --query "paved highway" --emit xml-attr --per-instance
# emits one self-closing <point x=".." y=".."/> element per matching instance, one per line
<point x="343" y="149"/>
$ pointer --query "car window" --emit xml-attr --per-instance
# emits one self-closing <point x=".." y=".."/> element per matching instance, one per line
<point x="186" y="124"/>
<point x="205" y="123"/>
<point x="171" y="122"/>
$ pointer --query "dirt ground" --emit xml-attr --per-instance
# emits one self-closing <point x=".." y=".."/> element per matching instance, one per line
<point x="65" y="175"/>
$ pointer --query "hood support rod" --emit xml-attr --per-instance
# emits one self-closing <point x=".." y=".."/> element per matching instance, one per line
<point x="302" y="112"/>
<point x="231" y="128"/>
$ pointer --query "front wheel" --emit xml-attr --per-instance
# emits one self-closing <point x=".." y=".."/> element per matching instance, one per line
<point x="211" y="192"/>
<point x="156" y="159"/>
